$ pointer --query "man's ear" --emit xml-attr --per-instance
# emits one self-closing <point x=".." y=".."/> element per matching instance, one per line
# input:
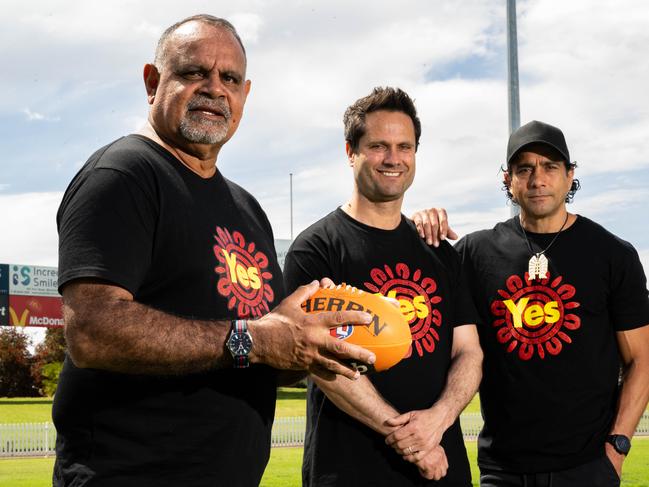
<point x="151" y="80"/>
<point x="350" y="154"/>
<point x="507" y="179"/>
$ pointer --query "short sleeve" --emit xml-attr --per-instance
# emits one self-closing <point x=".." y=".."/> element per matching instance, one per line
<point x="106" y="229"/>
<point x="305" y="262"/>
<point x="629" y="299"/>
<point x="464" y="306"/>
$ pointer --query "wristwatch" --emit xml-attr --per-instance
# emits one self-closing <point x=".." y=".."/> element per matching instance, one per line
<point x="621" y="443"/>
<point x="240" y="343"/>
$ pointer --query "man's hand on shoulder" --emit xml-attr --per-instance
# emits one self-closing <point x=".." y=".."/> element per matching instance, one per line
<point x="432" y="225"/>
<point x="289" y="338"/>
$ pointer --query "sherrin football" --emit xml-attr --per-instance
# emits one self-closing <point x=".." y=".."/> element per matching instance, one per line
<point x="387" y="335"/>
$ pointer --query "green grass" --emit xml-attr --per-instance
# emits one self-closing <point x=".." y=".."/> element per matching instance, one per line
<point x="284" y="467"/>
<point x="26" y="472"/>
<point x="285" y="463"/>
<point x="473" y="406"/>
<point x="291" y="401"/>
<point x="25" y="410"/>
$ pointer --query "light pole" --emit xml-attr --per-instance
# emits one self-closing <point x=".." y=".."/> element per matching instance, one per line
<point x="291" y="204"/>
<point x="512" y="75"/>
<point x="512" y="68"/>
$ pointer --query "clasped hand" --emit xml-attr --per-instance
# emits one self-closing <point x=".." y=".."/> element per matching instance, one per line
<point x="417" y="439"/>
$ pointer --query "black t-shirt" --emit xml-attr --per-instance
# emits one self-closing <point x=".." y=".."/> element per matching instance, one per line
<point x="338" y="449"/>
<point x="192" y="247"/>
<point x="551" y="365"/>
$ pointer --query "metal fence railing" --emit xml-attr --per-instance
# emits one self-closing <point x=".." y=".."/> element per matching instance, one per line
<point x="288" y="431"/>
<point x="37" y="439"/>
<point x="23" y="439"/>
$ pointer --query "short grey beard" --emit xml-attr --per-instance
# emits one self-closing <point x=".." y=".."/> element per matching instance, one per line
<point x="193" y="132"/>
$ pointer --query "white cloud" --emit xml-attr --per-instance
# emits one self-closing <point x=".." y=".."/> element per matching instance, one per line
<point x="248" y="26"/>
<point x="644" y="258"/>
<point x="29" y="228"/>
<point x="580" y="65"/>
<point x="31" y="116"/>
<point x="619" y="199"/>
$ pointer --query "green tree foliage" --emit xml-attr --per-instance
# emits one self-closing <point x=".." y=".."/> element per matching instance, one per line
<point x="50" y="377"/>
<point x="15" y="364"/>
<point x="48" y="361"/>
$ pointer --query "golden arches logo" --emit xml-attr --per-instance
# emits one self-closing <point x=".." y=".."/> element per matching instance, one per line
<point x="14" y="317"/>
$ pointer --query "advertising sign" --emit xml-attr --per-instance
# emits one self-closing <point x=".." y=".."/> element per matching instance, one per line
<point x="4" y="310"/>
<point x="43" y="311"/>
<point x="31" y="280"/>
<point x="4" y="294"/>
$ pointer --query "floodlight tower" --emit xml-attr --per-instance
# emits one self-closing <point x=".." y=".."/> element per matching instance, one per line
<point x="512" y="75"/>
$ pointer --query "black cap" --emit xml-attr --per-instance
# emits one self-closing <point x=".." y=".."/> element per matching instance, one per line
<point x="537" y="133"/>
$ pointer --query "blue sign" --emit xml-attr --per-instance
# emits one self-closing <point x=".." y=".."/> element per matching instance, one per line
<point x="4" y="310"/>
<point x="4" y="279"/>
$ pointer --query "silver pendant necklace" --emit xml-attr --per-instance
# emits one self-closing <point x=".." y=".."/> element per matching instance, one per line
<point x="537" y="266"/>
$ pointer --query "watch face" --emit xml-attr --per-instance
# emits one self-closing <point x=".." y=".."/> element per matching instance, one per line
<point x="240" y="344"/>
<point x="622" y="444"/>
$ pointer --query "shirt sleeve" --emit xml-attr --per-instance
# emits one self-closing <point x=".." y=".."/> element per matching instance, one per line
<point x="106" y="231"/>
<point x="307" y="260"/>
<point x="465" y="309"/>
<point x="629" y="299"/>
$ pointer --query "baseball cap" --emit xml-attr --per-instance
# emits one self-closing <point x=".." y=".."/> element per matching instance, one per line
<point x="536" y="132"/>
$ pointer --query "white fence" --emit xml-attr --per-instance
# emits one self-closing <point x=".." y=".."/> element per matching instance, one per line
<point x="37" y="439"/>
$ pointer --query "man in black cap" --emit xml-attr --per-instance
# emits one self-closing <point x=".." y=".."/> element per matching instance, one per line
<point x="564" y="315"/>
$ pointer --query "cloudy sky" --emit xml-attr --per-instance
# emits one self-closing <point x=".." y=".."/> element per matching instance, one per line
<point x="72" y="82"/>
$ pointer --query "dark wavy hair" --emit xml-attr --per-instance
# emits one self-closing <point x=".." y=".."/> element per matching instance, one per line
<point x="381" y="98"/>
<point x="569" y="165"/>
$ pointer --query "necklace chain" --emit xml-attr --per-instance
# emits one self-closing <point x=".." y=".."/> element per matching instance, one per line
<point x="538" y="263"/>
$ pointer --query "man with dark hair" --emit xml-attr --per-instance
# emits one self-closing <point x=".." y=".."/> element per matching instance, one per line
<point x="563" y="309"/>
<point x="400" y="426"/>
<point x="168" y="274"/>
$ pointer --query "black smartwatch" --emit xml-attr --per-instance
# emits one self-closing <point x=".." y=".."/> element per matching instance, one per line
<point x="621" y="443"/>
<point x="240" y="343"/>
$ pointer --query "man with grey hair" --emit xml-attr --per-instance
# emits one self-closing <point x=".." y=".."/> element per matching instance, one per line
<point x="169" y="274"/>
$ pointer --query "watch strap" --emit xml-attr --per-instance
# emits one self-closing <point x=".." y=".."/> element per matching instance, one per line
<point x="240" y="327"/>
<point x="621" y="443"/>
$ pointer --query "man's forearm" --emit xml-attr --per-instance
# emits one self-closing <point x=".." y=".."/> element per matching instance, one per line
<point x="128" y="337"/>
<point x="360" y="400"/>
<point x="633" y="399"/>
<point x="106" y="329"/>
<point x="634" y="395"/>
<point x="462" y="383"/>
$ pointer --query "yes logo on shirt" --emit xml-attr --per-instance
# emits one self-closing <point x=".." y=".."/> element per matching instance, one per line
<point x="417" y="299"/>
<point x="243" y="275"/>
<point x="535" y="316"/>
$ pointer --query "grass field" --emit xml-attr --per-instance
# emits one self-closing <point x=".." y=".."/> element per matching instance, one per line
<point x="290" y="402"/>
<point x="25" y="410"/>
<point x="284" y="467"/>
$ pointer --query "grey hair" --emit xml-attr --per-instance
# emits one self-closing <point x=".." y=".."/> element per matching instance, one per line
<point x="160" y="52"/>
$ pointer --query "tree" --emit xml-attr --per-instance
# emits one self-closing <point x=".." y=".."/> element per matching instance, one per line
<point x="15" y="364"/>
<point x="48" y="361"/>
